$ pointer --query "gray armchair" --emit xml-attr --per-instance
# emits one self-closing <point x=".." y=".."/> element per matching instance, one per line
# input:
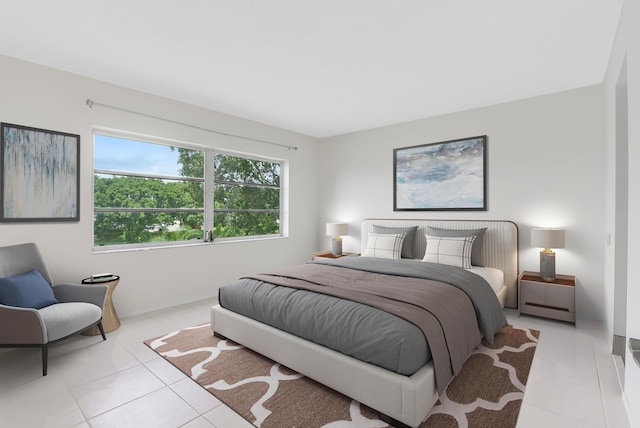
<point x="78" y="306"/>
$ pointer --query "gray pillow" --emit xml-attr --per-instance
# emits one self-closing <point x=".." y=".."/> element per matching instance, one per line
<point x="407" y="244"/>
<point x="476" y="250"/>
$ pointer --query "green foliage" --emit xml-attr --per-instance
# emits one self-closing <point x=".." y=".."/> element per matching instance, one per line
<point x="246" y="184"/>
<point x="242" y="170"/>
<point x="134" y="192"/>
<point x="240" y="184"/>
<point x="246" y="224"/>
<point x="192" y="165"/>
<point x="183" y="234"/>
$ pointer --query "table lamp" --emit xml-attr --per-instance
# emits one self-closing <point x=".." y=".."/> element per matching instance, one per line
<point x="547" y="239"/>
<point x="336" y="230"/>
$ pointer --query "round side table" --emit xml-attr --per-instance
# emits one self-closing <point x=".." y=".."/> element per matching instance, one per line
<point x="110" y="320"/>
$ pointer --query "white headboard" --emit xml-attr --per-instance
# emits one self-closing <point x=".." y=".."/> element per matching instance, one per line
<point x="499" y="250"/>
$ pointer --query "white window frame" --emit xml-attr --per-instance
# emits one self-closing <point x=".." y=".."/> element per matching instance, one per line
<point x="209" y="188"/>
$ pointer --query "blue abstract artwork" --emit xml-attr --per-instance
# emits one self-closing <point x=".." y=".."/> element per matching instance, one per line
<point x="40" y="174"/>
<point x="442" y="176"/>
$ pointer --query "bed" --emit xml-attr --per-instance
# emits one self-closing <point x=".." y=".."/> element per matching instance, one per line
<point x="401" y="398"/>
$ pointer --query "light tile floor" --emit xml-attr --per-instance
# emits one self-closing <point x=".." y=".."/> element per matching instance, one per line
<point x="122" y="383"/>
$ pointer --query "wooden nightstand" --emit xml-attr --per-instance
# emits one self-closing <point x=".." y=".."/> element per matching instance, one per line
<point x="328" y="255"/>
<point x="556" y="300"/>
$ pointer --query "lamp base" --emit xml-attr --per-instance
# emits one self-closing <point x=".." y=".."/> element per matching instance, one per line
<point x="336" y="246"/>
<point x="548" y="266"/>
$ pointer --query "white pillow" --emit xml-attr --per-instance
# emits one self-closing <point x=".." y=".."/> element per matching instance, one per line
<point x="449" y="250"/>
<point x="384" y="245"/>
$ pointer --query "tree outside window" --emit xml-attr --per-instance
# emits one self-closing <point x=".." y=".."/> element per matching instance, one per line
<point x="153" y="193"/>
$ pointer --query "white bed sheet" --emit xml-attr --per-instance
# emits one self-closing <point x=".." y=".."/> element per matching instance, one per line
<point x="495" y="277"/>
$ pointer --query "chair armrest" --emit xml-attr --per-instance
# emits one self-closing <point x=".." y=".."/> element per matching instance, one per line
<point x="95" y="294"/>
<point x="21" y="326"/>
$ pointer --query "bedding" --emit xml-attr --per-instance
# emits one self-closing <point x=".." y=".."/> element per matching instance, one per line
<point x="409" y="239"/>
<point x="495" y="277"/>
<point x="476" y="251"/>
<point x="354" y="329"/>
<point x="295" y="293"/>
<point x="449" y="250"/>
<point x="384" y="246"/>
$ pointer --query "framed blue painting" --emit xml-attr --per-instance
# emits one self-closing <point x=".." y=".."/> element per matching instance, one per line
<point x="40" y="178"/>
<point x="444" y="176"/>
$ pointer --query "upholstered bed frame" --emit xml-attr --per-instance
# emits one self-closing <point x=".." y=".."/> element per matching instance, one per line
<point x="499" y="250"/>
<point x="406" y="399"/>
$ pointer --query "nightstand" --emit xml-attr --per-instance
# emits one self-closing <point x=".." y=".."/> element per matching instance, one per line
<point x="555" y="300"/>
<point x="328" y="255"/>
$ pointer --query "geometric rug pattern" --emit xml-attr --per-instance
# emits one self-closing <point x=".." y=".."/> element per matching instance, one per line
<point x="487" y="392"/>
<point x="489" y="389"/>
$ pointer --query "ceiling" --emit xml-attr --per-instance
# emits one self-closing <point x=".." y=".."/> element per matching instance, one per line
<point x="321" y="67"/>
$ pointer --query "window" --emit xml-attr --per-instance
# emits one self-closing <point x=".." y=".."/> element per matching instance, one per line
<point x="246" y="196"/>
<point x="149" y="193"/>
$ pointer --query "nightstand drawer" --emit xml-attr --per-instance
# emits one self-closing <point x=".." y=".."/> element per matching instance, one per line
<point x="533" y="292"/>
<point x="562" y="297"/>
<point x="547" y="299"/>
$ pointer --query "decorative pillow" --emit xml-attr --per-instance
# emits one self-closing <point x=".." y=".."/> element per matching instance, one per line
<point x="407" y="244"/>
<point x="476" y="251"/>
<point x="27" y="290"/>
<point x="384" y="246"/>
<point x="453" y="250"/>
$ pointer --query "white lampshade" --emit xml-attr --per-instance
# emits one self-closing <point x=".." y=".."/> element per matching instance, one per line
<point x="547" y="238"/>
<point x="337" y="229"/>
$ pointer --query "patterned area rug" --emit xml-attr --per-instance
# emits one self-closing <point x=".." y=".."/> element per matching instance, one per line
<point x="487" y="392"/>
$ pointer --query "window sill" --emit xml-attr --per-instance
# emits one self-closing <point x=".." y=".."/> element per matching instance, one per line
<point x="180" y="244"/>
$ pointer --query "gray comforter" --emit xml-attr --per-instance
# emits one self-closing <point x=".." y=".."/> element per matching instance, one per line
<point x="489" y="313"/>
<point x="308" y="301"/>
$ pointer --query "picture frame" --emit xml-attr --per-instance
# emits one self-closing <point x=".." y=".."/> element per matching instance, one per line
<point x="444" y="176"/>
<point x="40" y="179"/>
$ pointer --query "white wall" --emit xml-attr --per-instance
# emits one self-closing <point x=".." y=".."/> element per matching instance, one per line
<point x="41" y="97"/>
<point x="545" y="168"/>
<point x="627" y="45"/>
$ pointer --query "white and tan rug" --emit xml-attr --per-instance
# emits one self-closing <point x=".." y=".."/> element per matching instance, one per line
<point x="487" y="392"/>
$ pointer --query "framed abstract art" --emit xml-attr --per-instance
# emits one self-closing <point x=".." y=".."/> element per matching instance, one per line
<point x="40" y="178"/>
<point x="444" y="176"/>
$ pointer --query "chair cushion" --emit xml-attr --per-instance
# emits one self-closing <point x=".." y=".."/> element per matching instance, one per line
<point x="64" y="319"/>
<point x="27" y="290"/>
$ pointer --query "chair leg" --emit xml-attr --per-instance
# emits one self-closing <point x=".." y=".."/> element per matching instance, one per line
<point x="45" y="357"/>
<point x="102" y="331"/>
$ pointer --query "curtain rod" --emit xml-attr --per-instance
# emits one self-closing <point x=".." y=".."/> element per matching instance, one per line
<point x="91" y="103"/>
